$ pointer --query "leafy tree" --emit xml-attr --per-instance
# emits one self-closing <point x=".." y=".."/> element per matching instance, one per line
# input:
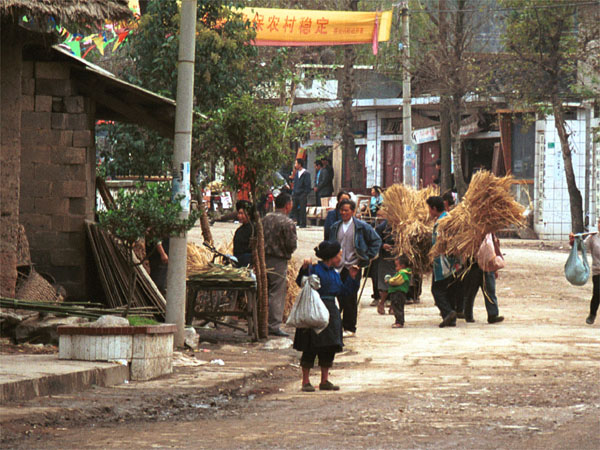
<point x="547" y="40"/>
<point x="224" y="64"/>
<point x="449" y="59"/>
<point x="144" y="212"/>
<point x="254" y="138"/>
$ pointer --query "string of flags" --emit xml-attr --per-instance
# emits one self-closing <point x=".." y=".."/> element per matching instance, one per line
<point x="109" y="35"/>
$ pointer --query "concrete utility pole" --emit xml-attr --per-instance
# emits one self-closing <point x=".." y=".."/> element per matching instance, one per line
<point x="176" y="293"/>
<point x="410" y="157"/>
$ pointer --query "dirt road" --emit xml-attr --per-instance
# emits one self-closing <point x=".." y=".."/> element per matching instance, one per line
<point x="530" y="382"/>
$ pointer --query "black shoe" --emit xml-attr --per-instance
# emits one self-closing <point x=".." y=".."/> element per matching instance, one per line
<point x="374" y="302"/>
<point x="495" y="319"/>
<point x="469" y="319"/>
<point x="590" y="319"/>
<point x="449" y="320"/>
<point x="328" y="386"/>
<point x="308" y="388"/>
<point x="278" y="332"/>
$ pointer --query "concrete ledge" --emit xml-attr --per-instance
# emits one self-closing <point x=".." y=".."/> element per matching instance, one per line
<point x="24" y="377"/>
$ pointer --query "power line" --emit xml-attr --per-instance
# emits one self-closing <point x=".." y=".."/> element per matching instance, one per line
<point x="524" y="8"/>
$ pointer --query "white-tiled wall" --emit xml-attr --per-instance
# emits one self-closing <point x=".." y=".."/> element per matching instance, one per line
<point x="552" y="208"/>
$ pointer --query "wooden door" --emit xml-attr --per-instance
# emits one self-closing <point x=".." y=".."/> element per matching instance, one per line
<point x="393" y="163"/>
<point x="430" y="153"/>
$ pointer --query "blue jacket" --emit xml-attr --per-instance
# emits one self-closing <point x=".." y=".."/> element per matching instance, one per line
<point x="332" y="217"/>
<point x="366" y="241"/>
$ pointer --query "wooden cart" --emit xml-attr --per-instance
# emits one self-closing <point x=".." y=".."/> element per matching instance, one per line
<point x="215" y="301"/>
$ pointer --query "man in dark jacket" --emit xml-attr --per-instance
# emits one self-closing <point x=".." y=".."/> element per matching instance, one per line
<point x="324" y="184"/>
<point x="360" y="243"/>
<point x="327" y="167"/>
<point x="302" y="188"/>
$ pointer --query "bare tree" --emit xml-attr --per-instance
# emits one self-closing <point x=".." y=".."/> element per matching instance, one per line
<point x="448" y="57"/>
<point x="547" y="40"/>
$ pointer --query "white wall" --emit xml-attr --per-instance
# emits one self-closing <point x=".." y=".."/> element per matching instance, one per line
<point x="552" y="214"/>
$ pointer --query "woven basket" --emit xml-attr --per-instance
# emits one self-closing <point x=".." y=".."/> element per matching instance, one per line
<point x="35" y="287"/>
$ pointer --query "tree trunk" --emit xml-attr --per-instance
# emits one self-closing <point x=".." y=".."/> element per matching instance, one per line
<point x="459" y="179"/>
<point x="445" y="145"/>
<point x="204" y="223"/>
<point x="575" y="198"/>
<point x="258" y="257"/>
<point x="347" y="80"/>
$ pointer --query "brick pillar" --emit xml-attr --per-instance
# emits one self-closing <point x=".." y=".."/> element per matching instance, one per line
<point x="10" y="157"/>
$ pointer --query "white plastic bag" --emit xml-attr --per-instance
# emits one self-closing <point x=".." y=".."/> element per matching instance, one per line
<point x="309" y="311"/>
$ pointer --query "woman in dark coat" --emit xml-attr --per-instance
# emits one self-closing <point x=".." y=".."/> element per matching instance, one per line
<point x="329" y="342"/>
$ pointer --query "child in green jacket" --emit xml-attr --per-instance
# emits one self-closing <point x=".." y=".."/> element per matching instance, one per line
<point x="399" y="285"/>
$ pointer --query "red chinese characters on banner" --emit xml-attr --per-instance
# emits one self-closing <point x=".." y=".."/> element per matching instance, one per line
<point x="305" y="24"/>
<point x="287" y="27"/>
<point x="321" y="25"/>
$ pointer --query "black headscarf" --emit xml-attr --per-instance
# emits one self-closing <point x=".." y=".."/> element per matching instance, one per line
<point x="327" y="250"/>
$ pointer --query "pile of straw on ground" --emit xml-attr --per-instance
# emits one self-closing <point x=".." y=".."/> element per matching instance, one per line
<point x="488" y="206"/>
<point x="408" y="214"/>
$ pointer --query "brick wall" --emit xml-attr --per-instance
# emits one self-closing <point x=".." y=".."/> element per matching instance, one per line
<point x="57" y="173"/>
<point x="10" y="147"/>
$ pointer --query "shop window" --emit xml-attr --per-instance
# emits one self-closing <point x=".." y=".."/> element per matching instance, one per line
<point x="359" y="129"/>
<point x="392" y="126"/>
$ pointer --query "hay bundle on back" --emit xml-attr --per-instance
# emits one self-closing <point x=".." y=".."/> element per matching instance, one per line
<point x="488" y="206"/>
<point x="408" y="215"/>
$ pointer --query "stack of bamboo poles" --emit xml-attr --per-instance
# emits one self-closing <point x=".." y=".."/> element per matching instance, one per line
<point x="408" y="214"/>
<point x="114" y="270"/>
<point x="488" y="206"/>
<point x="89" y="310"/>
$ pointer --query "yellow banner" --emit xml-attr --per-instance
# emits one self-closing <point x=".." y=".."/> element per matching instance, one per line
<point x="296" y="27"/>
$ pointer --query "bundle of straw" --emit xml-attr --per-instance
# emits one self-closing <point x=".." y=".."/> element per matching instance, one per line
<point x="408" y="215"/>
<point x="199" y="257"/>
<point x="488" y="206"/>
<point x="292" y="288"/>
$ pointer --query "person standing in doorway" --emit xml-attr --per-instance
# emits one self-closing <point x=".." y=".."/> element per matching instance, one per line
<point x="280" y="243"/>
<point x="300" y="193"/>
<point x="360" y="244"/>
<point x="318" y="172"/>
<point x="328" y="176"/>
<point x="324" y="186"/>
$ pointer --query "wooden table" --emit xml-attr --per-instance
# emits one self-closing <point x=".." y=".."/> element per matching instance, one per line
<point x="206" y="302"/>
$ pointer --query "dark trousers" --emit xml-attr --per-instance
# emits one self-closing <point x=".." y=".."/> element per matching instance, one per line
<point x="398" y="300"/>
<point x="473" y="280"/>
<point x="415" y="288"/>
<point x="299" y="209"/>
<point x="596" y="295"/>
<point x="439" y="290"/>
<point x="456" y="293"/>
<point x="307" y="360"/>
<point x="348" y="305"/>
<point x="373" y="275"/>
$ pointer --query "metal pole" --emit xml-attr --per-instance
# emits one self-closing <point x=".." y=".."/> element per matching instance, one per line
<point x="410" y="163"/>
<point x="176" y="274"/>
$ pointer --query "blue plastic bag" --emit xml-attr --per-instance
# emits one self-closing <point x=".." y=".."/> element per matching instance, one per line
<point x="577" y="270"/>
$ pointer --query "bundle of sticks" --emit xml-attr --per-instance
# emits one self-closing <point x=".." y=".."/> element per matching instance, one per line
<point x="408" y="214"/>
<point x="488" y="206"/>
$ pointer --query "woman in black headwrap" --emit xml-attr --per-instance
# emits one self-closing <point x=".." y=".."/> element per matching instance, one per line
<point x="329" y="342"/>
